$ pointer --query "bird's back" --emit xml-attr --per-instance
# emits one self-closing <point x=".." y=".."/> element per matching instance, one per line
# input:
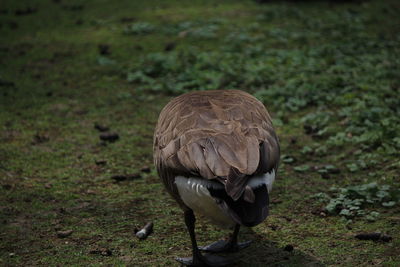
<point x="224" y="135"/>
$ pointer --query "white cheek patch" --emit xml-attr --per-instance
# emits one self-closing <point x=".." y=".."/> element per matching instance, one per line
<point x="264" y="179"/>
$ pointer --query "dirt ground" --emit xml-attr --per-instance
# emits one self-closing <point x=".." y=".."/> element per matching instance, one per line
<point x="82" y="84"/>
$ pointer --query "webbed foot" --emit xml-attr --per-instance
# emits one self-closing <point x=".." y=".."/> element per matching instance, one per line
<point x="225" y="246"/>
<point x="205" y="261"/>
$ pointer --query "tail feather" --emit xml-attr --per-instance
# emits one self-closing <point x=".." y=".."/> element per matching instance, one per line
<point x="242" y="211"/>
<point x="235" y="183"/>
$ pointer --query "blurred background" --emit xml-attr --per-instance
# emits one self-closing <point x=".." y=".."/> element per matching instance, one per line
<point x="81" y="87"/>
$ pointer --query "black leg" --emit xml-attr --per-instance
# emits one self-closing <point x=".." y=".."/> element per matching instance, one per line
<point x="231" y="245"/>
<point x="198" y="259"/>
<point x="190" y="221"/>
<point x="233" y="239"/>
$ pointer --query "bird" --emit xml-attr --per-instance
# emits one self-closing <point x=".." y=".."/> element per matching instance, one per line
<point x="217" y="154"/>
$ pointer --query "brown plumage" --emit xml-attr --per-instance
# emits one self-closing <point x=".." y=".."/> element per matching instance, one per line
<point x="224" y="134"/>
<point x="225" y="140"/>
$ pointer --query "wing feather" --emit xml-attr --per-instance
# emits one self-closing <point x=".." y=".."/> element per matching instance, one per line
<point x="225" y="135"/>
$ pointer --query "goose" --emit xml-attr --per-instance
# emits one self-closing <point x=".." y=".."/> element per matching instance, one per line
<point x="217" y="155"/>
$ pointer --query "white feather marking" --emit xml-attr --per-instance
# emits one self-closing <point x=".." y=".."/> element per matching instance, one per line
<point x="194" y="193"/>
<point x="267" y="179"/>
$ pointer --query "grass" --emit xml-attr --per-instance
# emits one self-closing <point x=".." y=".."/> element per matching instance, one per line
<point x="327" y="71"/>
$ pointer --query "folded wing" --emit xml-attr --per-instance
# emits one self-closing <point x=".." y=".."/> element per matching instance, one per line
<point x="223" y="135"/>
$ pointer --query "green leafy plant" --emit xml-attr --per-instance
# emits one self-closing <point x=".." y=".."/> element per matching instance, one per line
<point x="356" y="201"/>
<point x="140" y="28"/>
<point x="302" y="168"/>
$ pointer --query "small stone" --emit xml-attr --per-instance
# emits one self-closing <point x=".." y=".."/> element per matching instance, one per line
<point x="109" y="137"/>
<point x="119" y="178"/>
<point x="368" y="236"/>
<point x="101" y="251"/>
<point x="106" y="252"/>
<point x="101" y="162"/>
<point x="288" y="248"/>
<point x="145" y="232"/>
<point x="100" y="127"/>
<point x="145" y="169"/>
<point x="123" y="177"/>
<point x="90" y="192"/>
<point x="375" y="236"/>
<point x="63" y="234"/>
